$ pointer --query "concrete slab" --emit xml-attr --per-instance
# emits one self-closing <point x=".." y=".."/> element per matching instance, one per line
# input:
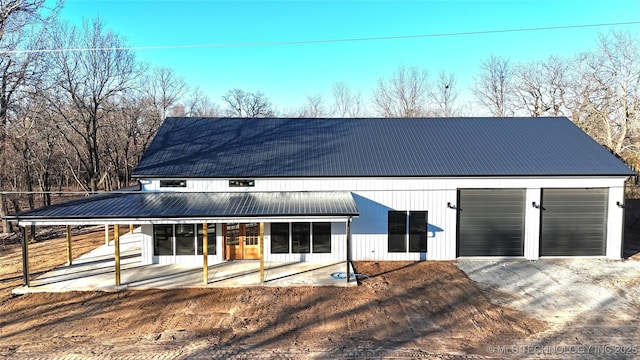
<point x="96" y="271"/>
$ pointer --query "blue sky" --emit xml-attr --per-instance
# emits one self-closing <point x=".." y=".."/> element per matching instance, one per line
<point x="288" y="73"/>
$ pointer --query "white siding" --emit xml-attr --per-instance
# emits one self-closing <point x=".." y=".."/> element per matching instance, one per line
<point x="532" y="223"/>
<point x="615" y="223"/>
<point x="375" y="196"/>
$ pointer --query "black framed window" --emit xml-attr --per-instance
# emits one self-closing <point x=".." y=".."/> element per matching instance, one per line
<point x="280" y="238"/>
<point x="173" y="183"/>
<point x="211" y="239"/>
<point x="417" y="231"/>
<point x="162" y="240"/>
<point x="185" y="239"/>
<point x="397" y="231"/>
<point x="300" y="238"/>
<point x="321" y="237"/>
<point x="242" y="183"/>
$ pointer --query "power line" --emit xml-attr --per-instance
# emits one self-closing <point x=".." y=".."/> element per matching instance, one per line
<point x="323" y="41"/>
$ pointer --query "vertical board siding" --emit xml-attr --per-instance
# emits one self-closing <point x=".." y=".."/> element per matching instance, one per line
<point x="375" y="196"/>
<point x="532" y="224"/>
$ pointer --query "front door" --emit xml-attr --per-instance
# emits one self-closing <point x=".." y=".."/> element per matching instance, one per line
<point x="241" y="241"/>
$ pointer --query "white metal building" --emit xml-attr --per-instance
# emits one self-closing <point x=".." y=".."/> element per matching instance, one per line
<point x="366" y="189"/>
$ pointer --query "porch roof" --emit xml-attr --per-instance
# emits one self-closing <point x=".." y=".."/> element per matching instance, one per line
<point x="157" y="207"/>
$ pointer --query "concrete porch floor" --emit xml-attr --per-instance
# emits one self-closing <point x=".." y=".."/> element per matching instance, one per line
<point x="96" y="271"/>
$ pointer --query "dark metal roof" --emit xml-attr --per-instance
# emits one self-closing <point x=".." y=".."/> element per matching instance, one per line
<point x="199" y="205"/>
<point x="227" y="147"/>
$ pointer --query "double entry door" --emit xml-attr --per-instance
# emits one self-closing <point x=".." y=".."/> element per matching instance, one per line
<point x="242" y="241"/>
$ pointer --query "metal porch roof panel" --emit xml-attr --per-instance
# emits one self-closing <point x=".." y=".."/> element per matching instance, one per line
<point x="281" y="147"/>
<point x="200" y="205"/>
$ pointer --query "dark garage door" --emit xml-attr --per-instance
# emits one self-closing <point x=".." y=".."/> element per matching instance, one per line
<point x="574" y="222"/>
<point x="491" y="223"/>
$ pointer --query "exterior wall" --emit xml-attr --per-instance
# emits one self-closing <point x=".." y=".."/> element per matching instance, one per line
<point x="375" y="196"/>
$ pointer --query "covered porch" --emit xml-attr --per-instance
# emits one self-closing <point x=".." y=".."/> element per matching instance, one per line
<point x="96" y="270"/>
<point x="123" y="262"/>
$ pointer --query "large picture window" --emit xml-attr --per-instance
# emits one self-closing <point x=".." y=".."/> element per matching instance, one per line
<point x="300" y="238"/>
<point x="280" y="238"/>
<point x="185" y="239"/>
<point x="182" y="239"/>
<point x="162" y="240"/>
<point x="321" y="237"/>
<point x="414" y="225"/>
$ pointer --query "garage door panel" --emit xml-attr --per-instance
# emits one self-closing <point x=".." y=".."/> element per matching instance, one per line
<point x="574" y="222"/>
<point x="491" y="222"/>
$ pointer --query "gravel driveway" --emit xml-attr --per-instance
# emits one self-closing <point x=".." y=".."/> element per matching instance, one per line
<point x="592" y="306"/>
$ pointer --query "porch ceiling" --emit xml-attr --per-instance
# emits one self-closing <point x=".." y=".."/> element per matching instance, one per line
<point x="154" y="207"/>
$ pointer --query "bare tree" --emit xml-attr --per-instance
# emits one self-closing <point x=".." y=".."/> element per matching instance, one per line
<point x="313" y="107"/>
<point x="606" y="92"/>
<point x="443" y="93"/>
<point x="239" y="103"/>
<point x="90" y="84"/>
<point x="161" y="90"/>
<point x="346" y="102"/>
<point x="405" y="94"/>
<point x="494" y="86"/>
<point x="200" y="105"/>
<point x="540" y="87"/>
<point x="20" y="21"/>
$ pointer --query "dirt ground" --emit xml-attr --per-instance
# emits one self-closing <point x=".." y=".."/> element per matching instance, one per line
<point x="425" y="309"/>
<point x="403" y="310"/>
<point x="586" y="303"/>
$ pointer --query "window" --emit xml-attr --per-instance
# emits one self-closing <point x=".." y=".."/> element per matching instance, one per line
<point x="173" y="183"/>
<point x="241" y="183"/>
<point x="418" y="231"/>
<point x="182" y="239"/>
<point x="301" y="238"/>
<point x="185" y="239"/>
<point x="397" y="231"/>
<point x="305" y="238"/>
<point x="280" y="238"/>
<point x="321" y="237"/>
<point x="211" y="239"/>
<point x="252" y="234"/>
<point x="162" y="240"/>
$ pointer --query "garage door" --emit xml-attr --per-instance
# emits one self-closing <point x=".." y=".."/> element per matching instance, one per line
<point x="574" y="222"/>
<point x="491" y="223"/>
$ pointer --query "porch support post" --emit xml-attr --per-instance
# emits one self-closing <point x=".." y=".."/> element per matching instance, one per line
<point x="69" y="253"/>
<point x="116" y="243"/>
<point x="106" y="234"/>
<point x="261" y="251"/>
<point x="348" y="242"/>
<point x="205" y="254"/>
<point x="25" y="256"/>
<point x="130" y="228"/>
